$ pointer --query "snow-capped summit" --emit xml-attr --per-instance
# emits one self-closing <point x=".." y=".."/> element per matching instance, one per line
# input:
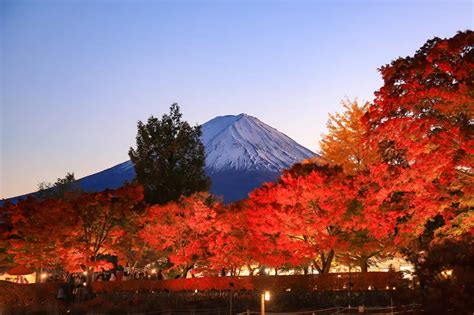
<point x="243" y="142"/>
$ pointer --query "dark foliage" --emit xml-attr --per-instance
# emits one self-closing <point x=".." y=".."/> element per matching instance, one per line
<point x="445" y="270"/>
<point x="169" y="158"/>
<point x="57" y="190"/>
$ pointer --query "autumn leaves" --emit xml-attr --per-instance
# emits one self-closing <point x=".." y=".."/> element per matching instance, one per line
<point x="389" y="168"/>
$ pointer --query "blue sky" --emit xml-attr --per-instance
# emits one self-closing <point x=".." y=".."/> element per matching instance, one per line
<point x="76" y="76"/>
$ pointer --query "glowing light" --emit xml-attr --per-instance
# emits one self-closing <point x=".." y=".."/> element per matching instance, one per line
<point x="267" y="295"/>
<point x="447" y="273"/>
<point x="387" y="287"/>
<point x="85" y="273"/>
<point x="43" y="275"/>
<point x="339" y="276"/>
<point x="153" y="270"/>
<point x="84" y="284"/>
<point x="394" y="288"/>
<point x="196" y="291"/>
<point x="370" y="287"/>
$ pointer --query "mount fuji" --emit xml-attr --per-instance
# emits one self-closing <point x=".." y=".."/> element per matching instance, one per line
<point x="242" y="152"/>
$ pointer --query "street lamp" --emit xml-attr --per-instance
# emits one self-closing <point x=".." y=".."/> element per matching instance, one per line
<point x="267" y="295"/>
<point x="264" y="297"/>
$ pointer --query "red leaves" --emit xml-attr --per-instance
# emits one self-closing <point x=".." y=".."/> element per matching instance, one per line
<point x="182" y="229"/>
<point x="72" y="232"/>
<point x="427" y="120"/>
<point x="302" y="216"/>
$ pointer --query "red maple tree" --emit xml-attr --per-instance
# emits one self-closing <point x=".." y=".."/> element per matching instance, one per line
<point x="421" y="124"/>
<point x="299" y="220"/>
<point x="72" y="233"/>
<point x="38" y="228"/>
<point x="230" y="245"/>
<point x="101" y="221"/>
<point x="180" y="231"/>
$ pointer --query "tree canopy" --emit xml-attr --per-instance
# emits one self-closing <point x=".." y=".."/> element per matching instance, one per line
<point x="169" y="158"/>
<point x="345" y="144"/>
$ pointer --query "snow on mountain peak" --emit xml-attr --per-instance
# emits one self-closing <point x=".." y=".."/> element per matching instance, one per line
<point x="243" y="142"/>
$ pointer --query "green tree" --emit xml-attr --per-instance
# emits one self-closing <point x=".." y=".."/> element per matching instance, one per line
<point x="58" y="189"/>
<point x="169" y="158"/>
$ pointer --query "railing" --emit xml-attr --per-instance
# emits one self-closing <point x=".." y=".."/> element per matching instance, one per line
<point x="213" y="295"/>
<point x="403" y="309"/>
<point x="320" y="282"/>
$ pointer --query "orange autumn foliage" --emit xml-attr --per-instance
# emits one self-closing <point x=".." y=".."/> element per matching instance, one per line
<point x="345" y="144"/>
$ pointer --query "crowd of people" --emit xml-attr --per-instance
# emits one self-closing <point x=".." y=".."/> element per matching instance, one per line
<point x="76" y="282"/>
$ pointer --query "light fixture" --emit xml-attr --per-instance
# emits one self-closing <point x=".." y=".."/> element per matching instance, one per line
<point x="447" y="273"/>
<point x="267" y="295"/>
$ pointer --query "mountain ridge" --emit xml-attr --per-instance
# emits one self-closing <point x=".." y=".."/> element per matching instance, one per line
<point x="242" y="152"/>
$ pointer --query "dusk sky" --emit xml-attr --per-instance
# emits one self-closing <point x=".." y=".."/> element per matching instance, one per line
<point x="76" y="76"/>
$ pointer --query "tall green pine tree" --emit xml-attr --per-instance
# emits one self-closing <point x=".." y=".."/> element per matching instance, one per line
<point x="169" y="158"/>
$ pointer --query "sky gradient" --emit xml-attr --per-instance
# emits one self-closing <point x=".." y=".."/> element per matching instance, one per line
<point x="76" y="76"/>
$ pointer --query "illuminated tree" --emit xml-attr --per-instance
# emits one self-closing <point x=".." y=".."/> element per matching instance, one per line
<point x="421" y="124"/>
<point x="180" y="230"/>
<point x="101" y="222"/>
<point x="38" y="228"/>
<point x="6" y="226"/>
<point x="345" y="144"/>
<point x="231" y="247"/>
<point x="74" y="232"/>
<point x="299" y="220"/>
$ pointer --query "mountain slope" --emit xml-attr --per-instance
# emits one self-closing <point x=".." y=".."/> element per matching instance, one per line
<point x="241" y="153"/>
<point x="245" y="143"/>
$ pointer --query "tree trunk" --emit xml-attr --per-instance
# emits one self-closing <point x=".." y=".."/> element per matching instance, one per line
<point x="327" y="262"/>
<point x="364" y="264"/>
<point x="319" y="269"/>
<point x="186" y="270"/>
<point x="89" y="280"/>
